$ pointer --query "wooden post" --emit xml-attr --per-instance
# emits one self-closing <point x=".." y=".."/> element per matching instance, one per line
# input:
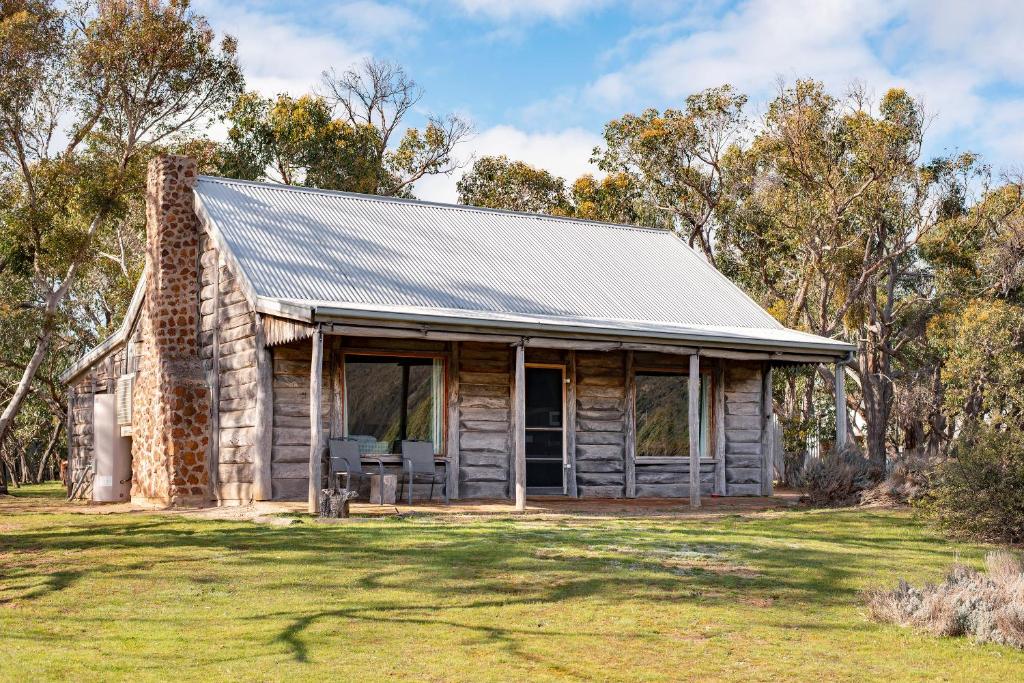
<point x="630" y="425"/>
<point x="570" y="424"/>
<point x="841" y="416"/>
<point x="519" y="422"/>
<point x="767" y="440"/>
<point x="694" y="429"/>
<point x="263" y="441"/>
<point x="214" y="473"/>
<point x="453" y="422"/>
<point x="337" y="367"/>
<point x="316" y="427"/>
<point x="718" y="418"/>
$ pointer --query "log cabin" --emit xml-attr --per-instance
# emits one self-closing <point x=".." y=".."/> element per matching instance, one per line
<point x="539" y="355"/>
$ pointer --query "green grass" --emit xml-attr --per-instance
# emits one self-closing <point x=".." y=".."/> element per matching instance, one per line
<point x="773" y="596"/>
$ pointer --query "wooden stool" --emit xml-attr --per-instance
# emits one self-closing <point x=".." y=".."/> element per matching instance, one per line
<point x="383" y="488"/>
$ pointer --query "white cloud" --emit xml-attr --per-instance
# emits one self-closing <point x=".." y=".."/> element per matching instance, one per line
<point x="277" y="55"/>
<point x="565" y="153"/>
<point x="373" y="21"/>
<point x="956" y="56"/>
<point x="505" y="10"/>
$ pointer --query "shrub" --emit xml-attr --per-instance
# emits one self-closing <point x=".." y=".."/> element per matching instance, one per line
<point x="986" y="607"/>
<point x="909" y="481"/>
<point x="836" y="479"/>
<point x="979" y="493"/>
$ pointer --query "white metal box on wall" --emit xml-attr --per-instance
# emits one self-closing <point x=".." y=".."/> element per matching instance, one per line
<point x="113" y="453"/>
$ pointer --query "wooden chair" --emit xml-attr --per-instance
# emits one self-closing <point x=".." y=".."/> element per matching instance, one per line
<point x="418" y="461"/>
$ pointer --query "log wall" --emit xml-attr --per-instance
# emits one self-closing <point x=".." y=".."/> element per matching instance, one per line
<point x="228" y="321"/>
<point x="743" y="456"/>
<point x="600" y="424"/>
<point x="101" y="378"/>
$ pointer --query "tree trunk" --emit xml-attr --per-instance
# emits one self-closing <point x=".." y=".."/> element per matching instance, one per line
<point x="45" y="458"/>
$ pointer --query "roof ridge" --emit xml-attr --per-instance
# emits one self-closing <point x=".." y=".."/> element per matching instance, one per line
<point x="428" y="203"/>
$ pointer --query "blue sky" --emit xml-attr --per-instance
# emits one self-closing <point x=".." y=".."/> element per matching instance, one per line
<point x="538" y="79"/>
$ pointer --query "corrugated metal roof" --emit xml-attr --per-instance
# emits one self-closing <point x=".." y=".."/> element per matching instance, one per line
<point x="320" y="248"/>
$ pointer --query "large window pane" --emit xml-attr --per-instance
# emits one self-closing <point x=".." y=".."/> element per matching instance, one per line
<point x="663" y="415"/>
<point x="389" y="399"/>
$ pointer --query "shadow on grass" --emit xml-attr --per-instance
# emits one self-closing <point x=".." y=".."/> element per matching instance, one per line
<point x="442" y="568"/>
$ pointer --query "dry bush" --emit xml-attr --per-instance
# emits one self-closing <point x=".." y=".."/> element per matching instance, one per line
<point x="836" y="480"/>
<point x="988" y="607"/>
<point x="908" y="481"/>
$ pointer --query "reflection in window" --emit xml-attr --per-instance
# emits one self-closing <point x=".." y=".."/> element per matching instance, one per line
<point x="389" y="399"/>
<point x="663" y="415"/>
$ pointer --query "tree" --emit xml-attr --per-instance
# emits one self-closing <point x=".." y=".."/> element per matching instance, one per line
<point x="500" y="183"/>
<point x="678" y="159"/>
<point x="296" y="141"/>
<point x="90" y="91"/>
<point x="377" y="95"/>
<point x="343" y="139"/>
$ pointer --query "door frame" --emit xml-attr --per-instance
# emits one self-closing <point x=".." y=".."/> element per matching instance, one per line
<point x="565" y="429"/>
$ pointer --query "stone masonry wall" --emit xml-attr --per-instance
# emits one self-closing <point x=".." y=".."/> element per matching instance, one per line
<point x="171" y="404"/>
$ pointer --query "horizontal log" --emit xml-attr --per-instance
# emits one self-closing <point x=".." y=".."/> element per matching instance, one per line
<point x="740" y="461"/>
<point x="482" y="390"/>
<point x="618" y="392"/>
<point x="235" y="473"/>
<point x="588" y="491"/>
<point x="599" y="425"/>
<point x="482" y="441"/>
<point x="742" y="407"/>
<point x="743" y="489"/>
<point x="492" y="378"/>
<point x="483" y="426"/>
<point x="741" y="422"/>
<point x="239" y="454"/>
<point x="742" y="475"/>
<point x="598" y="452"/>
<point x="600" y="438"/>
<point x="500" y="402"/>
<point x="238" y="361"/>
<point x="600" y="465"/>
<point x="467" y="474"/>
<point x="282" y="453"/>
<point x="230" y="438"/>
<point x="483" y="489"/>
<point x="499" y="366"/>
<point x="291" y="437"/>
<point x="739" y="448"/>
<point x="484" y="415"/>
<point x="734" y="436"/>
<point x="290" y="470"/>
<point x="245" y="391"/>
<point x="600" y="478"/>
<point x="479" y="459"/>
<point x="290" y="489"/>
<point x="238" y="418"/>
<point x="671" y="490"/>
<point x="593" y="414"/>
<point x="235" y="492"/>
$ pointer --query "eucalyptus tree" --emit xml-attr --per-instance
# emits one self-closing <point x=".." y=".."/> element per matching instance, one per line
<point x="90" y="90"/>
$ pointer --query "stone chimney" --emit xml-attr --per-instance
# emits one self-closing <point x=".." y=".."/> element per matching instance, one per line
<point x="171" y="404"/>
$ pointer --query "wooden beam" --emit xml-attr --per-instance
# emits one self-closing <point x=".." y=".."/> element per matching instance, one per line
<point x="630" y="427"/>
<point x="718" y="418"/>
<point x="767" y="440"/>
<point x="694" y="429"/>
<point x="337" y="370"/>
<point x="570" y="424"/>
<point x="263" y="441"/>
<point x="316" y="427"/>
<point x="408" y="333"/>
<point x="519" y="422"/>
<point x="214" y="470"/>
<point x="453" y="422"/>
<point x="841" y="414"/>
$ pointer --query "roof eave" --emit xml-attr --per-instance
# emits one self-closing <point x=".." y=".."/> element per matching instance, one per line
<point x="696" y="337"/>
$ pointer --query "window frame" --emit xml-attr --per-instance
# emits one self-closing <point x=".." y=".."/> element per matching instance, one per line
<point x="707" y="412"/>
<point x="441" y="449"/>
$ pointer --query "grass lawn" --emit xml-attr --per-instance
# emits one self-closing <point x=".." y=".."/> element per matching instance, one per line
<point x="768" y="596"/>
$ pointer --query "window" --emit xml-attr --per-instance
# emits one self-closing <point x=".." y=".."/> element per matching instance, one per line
<point x="663" y="414"/>
<point x="389" y="399"/>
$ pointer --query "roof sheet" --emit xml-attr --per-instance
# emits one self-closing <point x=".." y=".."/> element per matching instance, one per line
<point x="317" y="247"/>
